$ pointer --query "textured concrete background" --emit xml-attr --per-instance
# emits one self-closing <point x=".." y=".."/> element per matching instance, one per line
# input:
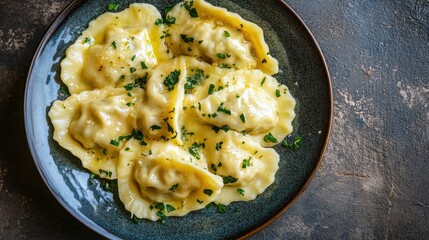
<point x="373" y="182"/>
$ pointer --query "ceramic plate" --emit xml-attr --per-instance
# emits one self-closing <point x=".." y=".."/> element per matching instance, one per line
<point x="96" y="203"/>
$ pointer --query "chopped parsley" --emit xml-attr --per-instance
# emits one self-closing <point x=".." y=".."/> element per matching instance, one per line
<point x="223" y="109"/>
<point x="243" y="118"/>
<point x="194" y="150"/>
<point x="166" y="34"/>
<point x="213" y="168"/>
<point x="278" y="93"/>
<point x="161" y="213"/>
<point x="112" y="6"/>
<point x="134" y="57"/>
<point x="270" y="138"/>
<point x="219" y="146"/>
<point x="295" y="144"/>
<point x="88" y="40"/>
<point x="264" y="61"/>
<point x="169" y="20"/>
<point x="143" y="64"/>
<point x="106" y="173"/>
<point x="138" y="82"/>
<point x="194" y="80"/>
<point x="240" y="191"/>
<point x="185" y="133"/>
<point x="188" y="6"/>
<point x="246" y="162"/>
<point x="199" y="201"/>
<point x="159" y="21"/>
<point x="186" y="38"/>
<point x="208" y="192"/>
<point x="211" y="89"/>
<point x="154" y="127"/>
<point x="114" y="142"/>
<point x="225" y="128"/>
<point x="221" y="208"/>
<point x="223" y="65"/>
<point x="226" y="34"/>
<point x="137" y="134"/>
<point x="263" y="81"/>
<point x="64" y="90"/>
<point x="172" y="79"/>
<point x="229" y="179"/>
<point x="174" y="187"/>
<point x="132" y="70"/>
<point x="200" y="41"/>
<point x="169" y="208"/>
<point x="114" y="44"/>
<point x="222" y="55"/>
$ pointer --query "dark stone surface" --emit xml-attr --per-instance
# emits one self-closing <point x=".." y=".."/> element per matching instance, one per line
<point x="373" y="182"/>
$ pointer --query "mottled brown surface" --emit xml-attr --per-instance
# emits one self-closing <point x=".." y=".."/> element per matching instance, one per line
<point x="373" y="182"/>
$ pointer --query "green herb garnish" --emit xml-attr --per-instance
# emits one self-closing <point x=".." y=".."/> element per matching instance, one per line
<point x="172" y="79"/>
<point x="229" y="179"/>
<point x="112" y="6"/>
<point x="194" y="150"/>
<point x="208" y="192"/>
<point x="293" y="145"/>
<point x="224" y="110"/>
<point x="219" y="146"/>
<point x="186" y="38"/>
<point x="240" y="191"/>
<point x="270" y="138"/>
<point x="243" y="118"/>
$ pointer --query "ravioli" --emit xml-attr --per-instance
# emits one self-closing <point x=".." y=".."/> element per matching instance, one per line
<point x="247" y="99"/>
<point x="161" y="179"/>
<point x="181" y="109"/>
<point x="218" y="36"/>
<point x="94" y="125"/>
<point x="115" y="49"/>
<point x="246" y="168"/>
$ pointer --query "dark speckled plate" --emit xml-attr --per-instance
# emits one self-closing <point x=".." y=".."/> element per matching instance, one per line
<point x="303" y="69"/>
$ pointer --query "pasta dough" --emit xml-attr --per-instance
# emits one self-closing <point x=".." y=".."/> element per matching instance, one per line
<point x="181" y="110"/>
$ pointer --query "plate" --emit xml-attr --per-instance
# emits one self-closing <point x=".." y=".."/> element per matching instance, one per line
<point x="303" y="70"/>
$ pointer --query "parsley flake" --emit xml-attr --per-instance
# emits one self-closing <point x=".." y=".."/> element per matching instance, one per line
<point x="221" y="208"/>
<point x="224" y="110"/>
<point x="172" y="79"/>
<point x="114" y="44"/>
<point x="226" y="34"/>
<point x="211" y="89"/>
<point x="174" y="187"/>
<point x="293" y="145"/>
<point x="208" y="192"/>
<point x="246" y="162"/>
<point x="112" y="6"/>
<point x="186" y="38"/>
<point x="243" y="118"/>
<point x="219" y="146"/>
<point x="240" y="191"/>
<point x="270" y="138"/>
<point x="229" y="179"/>
<point x="194" y="150"/>
<point x="143" y="64"/>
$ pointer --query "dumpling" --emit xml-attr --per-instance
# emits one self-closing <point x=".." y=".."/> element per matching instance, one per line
<point x="171" y="89"/>
<point x="250" y="102"/>
<point x="158" y="115"/>
<point x="162" y="179"/>
<point x="217" y="36"/>
<point x="246" y="168"/>
<point x="115" y="49"/>
<point x="94" y="126"/>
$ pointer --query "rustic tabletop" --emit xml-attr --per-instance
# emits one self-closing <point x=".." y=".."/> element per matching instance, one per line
<point x="373" y="180"/>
